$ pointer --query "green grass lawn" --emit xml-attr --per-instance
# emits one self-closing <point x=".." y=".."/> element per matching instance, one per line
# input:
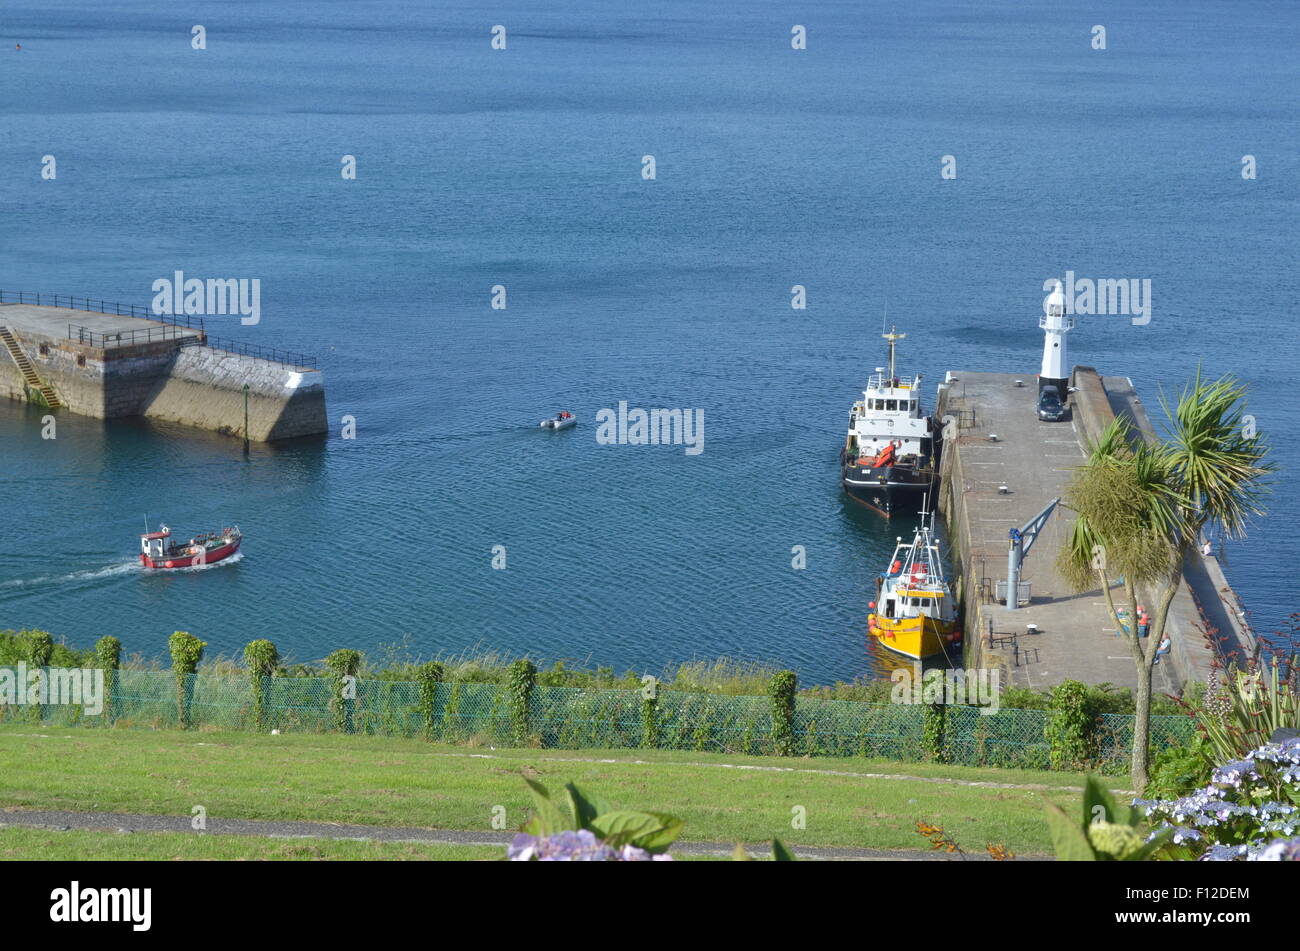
<point x="385" y="781"/>
<point x="94" y="844"/>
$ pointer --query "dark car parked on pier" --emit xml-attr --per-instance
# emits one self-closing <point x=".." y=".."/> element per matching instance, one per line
<point x="1050" y="408"/>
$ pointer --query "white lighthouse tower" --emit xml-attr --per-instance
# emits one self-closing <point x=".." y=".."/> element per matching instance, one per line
<point x="1055" y="324"/>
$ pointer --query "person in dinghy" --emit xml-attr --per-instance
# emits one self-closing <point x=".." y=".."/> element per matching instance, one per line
<point x="561" y="420"/>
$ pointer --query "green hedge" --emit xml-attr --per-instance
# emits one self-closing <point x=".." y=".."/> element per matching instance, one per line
<point x="601" y="718"/>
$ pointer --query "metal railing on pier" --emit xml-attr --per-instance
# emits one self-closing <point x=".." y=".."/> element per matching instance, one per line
<point x="124" y="338"/>
<point x="187" y="328"/>
<point x="98" y="306"/>
<point x="274" y="354"/>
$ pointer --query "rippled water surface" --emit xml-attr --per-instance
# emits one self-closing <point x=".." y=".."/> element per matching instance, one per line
<point x="522" y="168"/>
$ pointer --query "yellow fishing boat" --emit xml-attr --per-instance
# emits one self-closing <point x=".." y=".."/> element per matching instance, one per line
<point x="914" y="613"/>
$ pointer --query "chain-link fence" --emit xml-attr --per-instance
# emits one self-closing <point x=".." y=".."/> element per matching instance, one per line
<point x="588" y="718"/>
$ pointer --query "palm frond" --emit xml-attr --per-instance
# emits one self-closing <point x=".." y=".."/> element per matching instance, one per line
<point x="1219" y="470"/>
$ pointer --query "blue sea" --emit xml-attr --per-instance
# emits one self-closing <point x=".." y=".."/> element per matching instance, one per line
<point x="522" y="167"/>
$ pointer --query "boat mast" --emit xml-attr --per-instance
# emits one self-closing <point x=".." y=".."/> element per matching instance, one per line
<point x="893" y="337"/>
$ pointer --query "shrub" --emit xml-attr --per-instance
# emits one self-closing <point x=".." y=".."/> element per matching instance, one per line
<point x="186" y="651"/>
<point x="523" y="677"/>
<point x="1069" y="730"/>
<point x="782" y="688"/>
<point x="64" y="656"/>
<point x="650" y="715"/>
<point x="108" y="656"/>
<point x="1179" y="770"/>
<point x="1025" y="698"/>
<point x="262" y="659"/>
<point x="933" y="733"/>
<point x="1107" y="698"/>
<point x="1242" y="709"/>
<point x="429" y="676"/>
<point x="10" y="649"/>
<point x="108" y="652"/>
<point x="38" y="647"/>
<point x="343" y="665"/>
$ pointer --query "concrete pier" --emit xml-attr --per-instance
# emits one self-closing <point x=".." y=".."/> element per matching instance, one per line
<point x="1000" y="445"/>
<point x="107" y="365"/>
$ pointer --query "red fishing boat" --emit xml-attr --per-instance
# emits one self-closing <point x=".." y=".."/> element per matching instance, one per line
<point x="157" y="550"/>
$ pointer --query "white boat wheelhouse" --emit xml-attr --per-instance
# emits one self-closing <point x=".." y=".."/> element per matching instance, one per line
<point x="889" y="412"/>
<point x="915" y="585"/>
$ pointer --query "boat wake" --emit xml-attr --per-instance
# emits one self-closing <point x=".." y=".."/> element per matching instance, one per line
<point x="90" y="574"/>
<point x="16" y="586"/>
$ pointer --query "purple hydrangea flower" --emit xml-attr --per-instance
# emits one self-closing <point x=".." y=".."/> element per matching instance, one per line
<point x="1236" y="816"/>
<point x="574" y="846"/>
<point x="1233" y="774"/>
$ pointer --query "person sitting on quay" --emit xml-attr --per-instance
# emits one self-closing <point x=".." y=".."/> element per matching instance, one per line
<point x="1163" y="648"/>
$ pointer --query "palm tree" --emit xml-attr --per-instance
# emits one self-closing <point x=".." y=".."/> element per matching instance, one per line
<point x="1142" y="505"/>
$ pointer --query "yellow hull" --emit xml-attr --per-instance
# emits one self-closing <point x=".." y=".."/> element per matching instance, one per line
<point x="915" y="637"/>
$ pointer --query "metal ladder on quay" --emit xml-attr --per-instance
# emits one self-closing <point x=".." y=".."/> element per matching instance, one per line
<point x="30" y="376"/>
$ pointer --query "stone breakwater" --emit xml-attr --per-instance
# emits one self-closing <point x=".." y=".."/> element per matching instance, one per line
<point x="130" y="366"/>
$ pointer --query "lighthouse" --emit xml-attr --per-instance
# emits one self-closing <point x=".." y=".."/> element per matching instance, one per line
<point x="1055" y="324"/>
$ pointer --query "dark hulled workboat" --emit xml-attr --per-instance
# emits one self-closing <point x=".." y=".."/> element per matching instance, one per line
<point x="887" y="461"/>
